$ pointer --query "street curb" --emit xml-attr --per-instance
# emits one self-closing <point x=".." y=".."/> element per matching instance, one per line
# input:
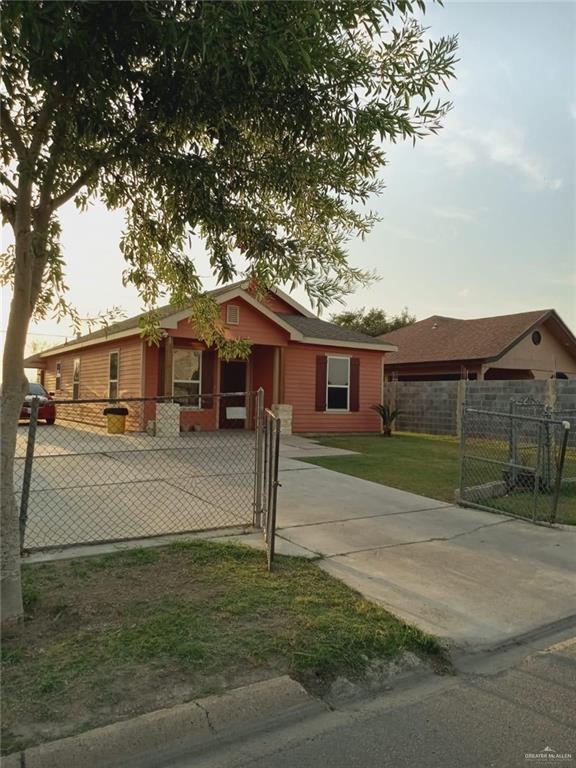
<point x="193" y="724"/>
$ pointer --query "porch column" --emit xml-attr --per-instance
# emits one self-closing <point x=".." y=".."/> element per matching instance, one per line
<point x="168" y="353"/>
<point x="276" y="376"/>
<point x="281" y="374"/>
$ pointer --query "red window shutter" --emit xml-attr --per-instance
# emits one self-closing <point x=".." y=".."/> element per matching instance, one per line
<point x="207" y="382"/>
<point x="321" y="373"/>
<point x="355" y="384"/>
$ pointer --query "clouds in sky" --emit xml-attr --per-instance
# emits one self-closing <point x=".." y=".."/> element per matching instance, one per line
<point x="455" y="214"/>
<point x="462" y="146"/>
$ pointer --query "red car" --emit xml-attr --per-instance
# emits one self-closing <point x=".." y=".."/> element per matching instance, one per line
<point x="46" y="409"/>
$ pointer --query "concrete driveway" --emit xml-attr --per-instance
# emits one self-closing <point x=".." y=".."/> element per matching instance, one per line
<point x="474" y="578"/>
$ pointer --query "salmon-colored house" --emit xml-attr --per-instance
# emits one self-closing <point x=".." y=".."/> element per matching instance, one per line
<point x="328" y="376"/>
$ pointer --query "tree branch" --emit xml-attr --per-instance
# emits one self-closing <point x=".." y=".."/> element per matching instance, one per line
<point x="8" y="210"/>
<point x="40" y="129"/>
<point x="5" y="180"/>
<point x="12" y="132"/>
<point x="73" y="190"/>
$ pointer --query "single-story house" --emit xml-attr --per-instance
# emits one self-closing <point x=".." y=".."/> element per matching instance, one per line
<point x="329" y="375"/>
<point x="527" y="345"/>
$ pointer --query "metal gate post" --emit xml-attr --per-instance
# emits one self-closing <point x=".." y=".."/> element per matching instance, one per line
<point x="258" y="458"/>
<point x="27" y="478"/>
<point x="274" y="488"/>
<point x="462" y="457"/>
<point x="513" y="446"/>
<point x="559" y="470"/>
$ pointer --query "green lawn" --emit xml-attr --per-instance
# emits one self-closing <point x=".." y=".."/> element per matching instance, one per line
<point x="429" y="465"/>
<point x="111" y="637"/>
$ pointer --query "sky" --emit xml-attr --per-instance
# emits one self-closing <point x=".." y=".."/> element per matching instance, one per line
<point x="477" y="221"/>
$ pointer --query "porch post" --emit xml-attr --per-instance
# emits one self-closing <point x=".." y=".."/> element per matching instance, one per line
<point x="276" y="376"/>
<point x="168" y="351"/>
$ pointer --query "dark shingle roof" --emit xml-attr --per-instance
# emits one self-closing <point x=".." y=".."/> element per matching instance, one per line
<point x="314" y="328"/>
<point x="438" y="338"/>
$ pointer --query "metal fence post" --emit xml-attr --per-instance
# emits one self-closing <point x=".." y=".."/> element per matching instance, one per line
<point x="462" y="457"/>
<point x="274" y="489"/>
<point x="259" y="468"/>
<point x="27" y="477"/>
<point x="513" y="446"/>
<point x="559" y="470"/>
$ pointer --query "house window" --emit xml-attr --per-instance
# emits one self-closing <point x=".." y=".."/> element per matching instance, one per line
<point x="232" y="314"/>
<point x="113" y="368"/>
<point x="58" y="381"/>
<point x="338" y="384"/>
<point x="536" y="338"/>
<point x="76" y="380"/>
<point x="187" y="376"/>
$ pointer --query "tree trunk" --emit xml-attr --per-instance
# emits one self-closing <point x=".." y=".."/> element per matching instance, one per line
<point x="13" y="391"/>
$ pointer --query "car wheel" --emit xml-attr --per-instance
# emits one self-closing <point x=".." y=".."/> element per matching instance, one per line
<point x="50" y="421"/>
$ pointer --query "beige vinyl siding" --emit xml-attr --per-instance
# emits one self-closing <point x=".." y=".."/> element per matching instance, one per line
<point x="94" y="371"/>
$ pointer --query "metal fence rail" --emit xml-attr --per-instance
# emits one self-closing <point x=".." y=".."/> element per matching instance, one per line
<point x="513" y="463"/>
<point x="77" y="483"/>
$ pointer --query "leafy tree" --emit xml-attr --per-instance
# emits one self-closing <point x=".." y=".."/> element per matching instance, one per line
<point x="374" y="321"/>
<point x="259" y="126"/>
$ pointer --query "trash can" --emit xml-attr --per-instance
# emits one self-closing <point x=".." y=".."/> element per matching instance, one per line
<point x="115" y="420"/>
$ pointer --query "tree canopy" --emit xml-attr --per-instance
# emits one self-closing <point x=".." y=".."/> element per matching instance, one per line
<point x="258" y="126"/>
<point x="373" y="321"/>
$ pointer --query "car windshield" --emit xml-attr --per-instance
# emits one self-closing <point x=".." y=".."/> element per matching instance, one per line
<point x="36" y="389"/>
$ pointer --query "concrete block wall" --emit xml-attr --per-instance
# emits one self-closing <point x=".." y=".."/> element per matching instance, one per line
<point x="429" y="406"/>
<point x="496" y="395"/>
<point x="435" y="407"/>
<point x="565" y="400"/>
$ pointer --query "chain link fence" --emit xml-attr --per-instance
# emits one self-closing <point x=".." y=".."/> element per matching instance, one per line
<point x="513" y="463"/>
<point x="268" y="430"/>
<point x="107" y="472"/>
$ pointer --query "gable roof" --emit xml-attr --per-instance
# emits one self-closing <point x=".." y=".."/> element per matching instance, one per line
<point x="301" y="325"/>
<point x="438" y="339"/>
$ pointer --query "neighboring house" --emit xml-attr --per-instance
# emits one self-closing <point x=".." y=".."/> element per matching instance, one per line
<point x="528" y="345"/>
<point x="331" y="376"/>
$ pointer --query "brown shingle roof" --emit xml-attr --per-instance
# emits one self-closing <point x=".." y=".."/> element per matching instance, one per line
<point x="437" y="338"/>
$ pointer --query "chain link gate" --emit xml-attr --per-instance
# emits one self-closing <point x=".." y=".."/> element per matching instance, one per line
<point x="513" y="462"/>
<point x="267" y="464"/>
<point x="78" y="482"/>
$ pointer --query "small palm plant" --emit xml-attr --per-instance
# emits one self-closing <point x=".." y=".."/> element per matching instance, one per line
<point x="388" y="418"/>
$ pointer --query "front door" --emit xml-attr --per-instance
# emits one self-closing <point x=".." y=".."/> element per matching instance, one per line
<point x="232" y="409"/>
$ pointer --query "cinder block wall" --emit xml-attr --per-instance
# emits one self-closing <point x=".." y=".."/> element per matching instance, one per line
<point x="434" y="407"/>
<point x="425" y="406"/>
<point x="496" y="395"/>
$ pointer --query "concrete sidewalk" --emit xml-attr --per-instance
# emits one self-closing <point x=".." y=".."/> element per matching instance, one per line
<point x="473" y="578"/>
